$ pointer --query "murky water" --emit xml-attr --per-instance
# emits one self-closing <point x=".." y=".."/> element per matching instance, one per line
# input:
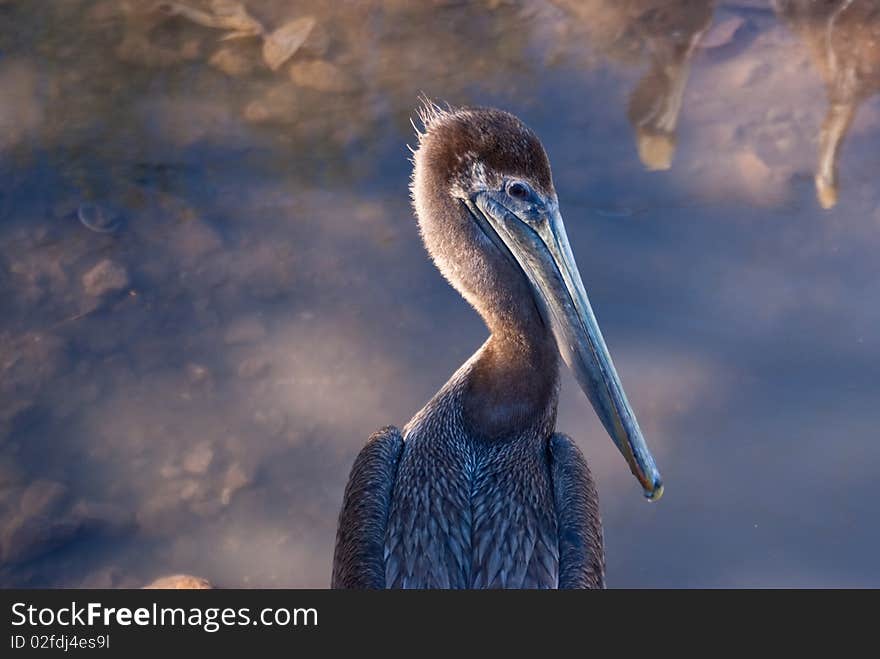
<point x="212" y="289"/>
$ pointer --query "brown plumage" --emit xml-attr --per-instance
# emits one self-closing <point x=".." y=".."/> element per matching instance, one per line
<point x="477" y="490"/>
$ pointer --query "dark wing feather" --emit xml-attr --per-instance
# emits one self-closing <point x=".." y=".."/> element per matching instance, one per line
<point x="581" y="551"/>
<point x="358" y="561"/>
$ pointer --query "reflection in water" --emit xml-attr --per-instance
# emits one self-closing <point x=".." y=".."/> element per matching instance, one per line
<point x="201" y="256"/>
<point x="666" y="34"/>
<point x="844" y="40"/>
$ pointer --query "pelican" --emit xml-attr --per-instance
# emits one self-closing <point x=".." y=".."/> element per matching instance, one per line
<point x="478" y="490"/>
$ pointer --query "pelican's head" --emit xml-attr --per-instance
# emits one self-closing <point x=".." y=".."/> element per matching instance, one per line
<point x="490" y="219"/>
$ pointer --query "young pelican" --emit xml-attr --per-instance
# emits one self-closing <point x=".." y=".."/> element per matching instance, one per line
<point x="478" y="490"/>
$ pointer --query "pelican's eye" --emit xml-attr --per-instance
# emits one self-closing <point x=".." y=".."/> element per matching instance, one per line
<point x="518" y="190"/>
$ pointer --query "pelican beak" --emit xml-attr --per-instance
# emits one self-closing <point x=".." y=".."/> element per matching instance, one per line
<point x="535" y="237"/>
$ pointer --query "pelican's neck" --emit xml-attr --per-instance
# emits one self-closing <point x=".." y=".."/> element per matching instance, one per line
<point x="512" y="389"/>
<point x="509" y="387"/>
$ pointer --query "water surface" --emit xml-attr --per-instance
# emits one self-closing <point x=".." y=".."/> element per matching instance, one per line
<point x="212" y="289"/>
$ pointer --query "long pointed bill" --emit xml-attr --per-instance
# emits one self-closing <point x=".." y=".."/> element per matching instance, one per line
<point x="541" y="248"/>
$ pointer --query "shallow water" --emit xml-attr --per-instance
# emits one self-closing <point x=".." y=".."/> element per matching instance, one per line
<point x="185" y="388"/>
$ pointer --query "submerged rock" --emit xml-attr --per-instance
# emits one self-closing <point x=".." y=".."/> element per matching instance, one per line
<point x="722" y="32"/>
<point x="188" y="490"/>
<point x="199" y="459"/>
<point x="254" y="367"/>
<point x="318" y="42"/>
<point x="281" y="103"/>
<point x="231" y="62"/>
<point x="220" y="14"/>
<point x="323" y="76"/>
<point x="105" y="278"/>
<point x="179" y="582"/>
<point x="169" y="471"/>
<point x="236" y="478"/>
<point x="280" y="45"/>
